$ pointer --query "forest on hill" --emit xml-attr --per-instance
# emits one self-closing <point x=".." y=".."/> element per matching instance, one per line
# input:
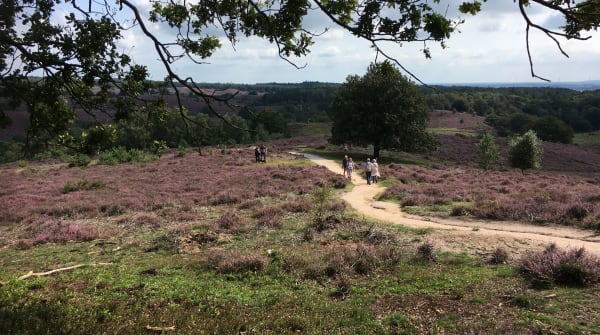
<point x="266" y="110"/>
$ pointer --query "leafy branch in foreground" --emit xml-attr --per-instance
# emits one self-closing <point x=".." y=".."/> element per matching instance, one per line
<point x="81" y="69"/>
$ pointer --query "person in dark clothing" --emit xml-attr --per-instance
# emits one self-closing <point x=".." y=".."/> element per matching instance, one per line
<point x="345" y="165"/>
<point x="256" y="154"/>
<point x="263" y="153"/>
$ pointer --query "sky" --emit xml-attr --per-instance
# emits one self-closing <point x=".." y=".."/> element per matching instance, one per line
<point x="490" y="47"/>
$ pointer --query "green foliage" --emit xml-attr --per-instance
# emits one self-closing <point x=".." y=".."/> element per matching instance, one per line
<point x="553" y="129"/>
<point x="488" y="152"/>
<point x="82" y="185"/>
<point x="321" y="198"/>
<point x="10" y="151"/>
<point x="158" y="147"/>
<point x="381" y="108"/>
<point x="85" y="70"/>
<point x="120" y="155"/>
<point x="526" y="151"/>
<point x="79" y="160"/>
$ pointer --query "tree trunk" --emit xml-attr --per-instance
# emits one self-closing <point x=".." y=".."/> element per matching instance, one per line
<point x="376" y="149"/>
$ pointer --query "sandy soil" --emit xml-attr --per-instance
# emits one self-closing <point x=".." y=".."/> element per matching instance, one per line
<point x="464" y="234"/>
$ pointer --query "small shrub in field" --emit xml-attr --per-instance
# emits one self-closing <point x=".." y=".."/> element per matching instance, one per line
<point x="62" y="233"/>
<point x="576" y="212"/>
<point x="251" y="204"/>
<point x="230" y="221"/>
<point x="377" y="235"/>
<point x="79" y="160"/>
<point x="120" y="155"/>
<point x="556" y="266"/>
<point x="526" y="151"/>
<point x="498" y="256"/>
<point x="343" y="284"/>
<point x="488" y="152"/>
<point x="337" y="206"/>
<point x="459" y="211"/>
<point x="297" y="206"/>
<point x="225" y="199"/>
<point x="269" y="217"/>
<point x="425" y="252"/>
<point x="82" y="185"/>
<point x="234" y="262"/>
<point x="274" y="222"/>
<point x="321" y="198"/>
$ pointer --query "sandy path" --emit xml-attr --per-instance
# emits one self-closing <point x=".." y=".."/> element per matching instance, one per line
<point x="463" y="235"/>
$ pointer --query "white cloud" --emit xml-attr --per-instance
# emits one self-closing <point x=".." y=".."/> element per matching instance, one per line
<point x="490" y="47"/>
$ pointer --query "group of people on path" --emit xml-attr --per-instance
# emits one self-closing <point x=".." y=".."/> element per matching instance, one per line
<point x="371" y="169"/>
<point x="260" y="153"/>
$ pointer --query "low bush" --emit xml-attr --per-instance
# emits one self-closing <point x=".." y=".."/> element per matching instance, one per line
<point x="498" y="256"/>
<point x="82" y="185"/>
<point x="425" y="252"/>
<point x="120" y="155"/>
<point x="79" y="160"/>
<point x="235" y="262"/>
<point x="556" y="266"/>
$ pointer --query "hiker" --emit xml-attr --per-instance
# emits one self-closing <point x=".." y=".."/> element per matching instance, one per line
<point x="368" y="170"/>
<point x="375" y="171"/>
<point x="256" y="154"/>
<point x="345" y="165"/>
<point x="263" y="153"/>
<point x="350" y="168"/>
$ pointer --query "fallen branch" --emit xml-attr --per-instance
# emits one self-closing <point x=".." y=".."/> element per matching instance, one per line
<point x="40" y="274"/>
<point x="160" y="329"/>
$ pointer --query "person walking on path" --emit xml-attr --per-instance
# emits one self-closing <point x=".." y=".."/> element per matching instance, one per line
<point x="350" y="168"/>
<point x="345" y="165"/>
<point x="375" y="171"/>
<point x="369" y="170"/>
<point x="263" y="153"/>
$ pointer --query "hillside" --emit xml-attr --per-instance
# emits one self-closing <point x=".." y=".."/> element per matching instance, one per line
<point x="261" y="248"/>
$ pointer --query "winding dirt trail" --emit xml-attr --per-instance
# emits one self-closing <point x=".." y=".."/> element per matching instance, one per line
<point x="464" y="235"/>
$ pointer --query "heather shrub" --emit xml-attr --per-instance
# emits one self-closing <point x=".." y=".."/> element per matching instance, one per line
<point x="230" y="221"/>
<point x="425" y="252"/>
<point x="225" y="198"/>
<point x="251" y="204"/>
<point x="336" y="206"/>
<point x="378" y="235"/>
<point x="297" y="206"/>
<point x="270" y="217"/>
<point x="556" y="266"/>
<point x="460" y="211"/>
<point x="360" y="258"/>
<point x="498" y="256"/>
<point x="62" y="233"/>
<point x="235" y="262"/>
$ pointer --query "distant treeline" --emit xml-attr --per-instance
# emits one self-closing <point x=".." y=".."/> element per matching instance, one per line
<point x="554" y="113"/>
<point x="516" y="110"/>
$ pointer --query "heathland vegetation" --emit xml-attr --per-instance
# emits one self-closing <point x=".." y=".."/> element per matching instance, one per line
<point x="190" y="243"/>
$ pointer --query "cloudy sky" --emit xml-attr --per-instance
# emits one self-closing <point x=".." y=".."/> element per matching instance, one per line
<point x="489" y="48"/>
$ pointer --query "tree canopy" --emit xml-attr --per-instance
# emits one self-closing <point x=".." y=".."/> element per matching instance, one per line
<point x="77" y="54"/>
<point x="381" y="108"/>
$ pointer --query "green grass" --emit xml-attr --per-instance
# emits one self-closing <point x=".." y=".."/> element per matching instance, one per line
<point x="587" y="138"/>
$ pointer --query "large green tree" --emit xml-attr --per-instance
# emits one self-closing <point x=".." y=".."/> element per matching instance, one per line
<point x="382" y="108"/>
<point x="77" y="57"/>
